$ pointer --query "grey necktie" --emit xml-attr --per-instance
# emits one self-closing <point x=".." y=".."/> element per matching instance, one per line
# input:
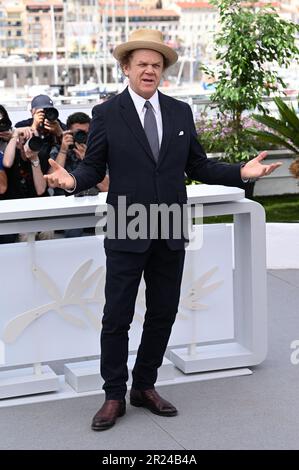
<point x="151" y="129"/>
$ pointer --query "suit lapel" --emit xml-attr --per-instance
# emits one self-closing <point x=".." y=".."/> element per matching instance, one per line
<point x="167" y="122"/>
<point x="130" y="115"/>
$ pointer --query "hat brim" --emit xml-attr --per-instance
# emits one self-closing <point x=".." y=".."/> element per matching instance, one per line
<point x="169" y="54"/>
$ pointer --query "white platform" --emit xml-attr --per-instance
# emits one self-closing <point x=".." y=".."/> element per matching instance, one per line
<point x="85" y="376"/>
<point x="206" y="358"/>
<point x="21" y="382"/>
<point x="165" y="372"/>
<point x="250" y="300"/>
<point x="66" y="391"/>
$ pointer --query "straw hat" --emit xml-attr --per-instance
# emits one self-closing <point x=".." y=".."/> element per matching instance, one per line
<point x="146" y="39"/>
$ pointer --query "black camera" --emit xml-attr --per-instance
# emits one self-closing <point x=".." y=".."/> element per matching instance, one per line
<point x="51" y="114"/>
<point x="35" y="143"/>
<point x="5" y="123"/>
<point x="80" y="137"/>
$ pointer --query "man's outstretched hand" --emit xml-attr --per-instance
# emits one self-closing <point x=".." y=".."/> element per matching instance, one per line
<point x="255" y="169"/>
<point x="58" y="177"/>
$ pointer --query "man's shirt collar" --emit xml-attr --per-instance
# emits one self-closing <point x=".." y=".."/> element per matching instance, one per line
<point x="139" y="101"/>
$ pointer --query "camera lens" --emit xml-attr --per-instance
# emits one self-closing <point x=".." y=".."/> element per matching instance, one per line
<point x="80" y="137"/>
<point x="35" y="143"/>
<point x="51" y="114"/>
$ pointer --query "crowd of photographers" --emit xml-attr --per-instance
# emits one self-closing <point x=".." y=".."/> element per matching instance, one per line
<point x="26" y="147"/>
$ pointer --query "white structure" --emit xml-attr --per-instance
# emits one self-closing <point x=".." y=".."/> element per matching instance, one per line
<point x="222" y="316"/>
<point x="197" y="26"/>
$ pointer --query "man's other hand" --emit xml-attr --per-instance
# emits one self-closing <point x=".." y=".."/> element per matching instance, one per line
<point x="255" y="169"/>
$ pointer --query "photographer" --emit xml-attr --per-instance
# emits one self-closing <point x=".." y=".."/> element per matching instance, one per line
<point x="24" y="169"/>
<point x="25" y="173"/>
<point x="8" y="142"/>
<point x="73" y="148"/>
<point x="48" y="128"/>
<point x="70" y="154"/>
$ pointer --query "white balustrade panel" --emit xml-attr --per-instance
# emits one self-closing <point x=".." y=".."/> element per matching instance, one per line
<point x="52" y="297"/>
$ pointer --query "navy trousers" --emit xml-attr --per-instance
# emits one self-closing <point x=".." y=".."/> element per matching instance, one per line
<point x="162" y="269"/>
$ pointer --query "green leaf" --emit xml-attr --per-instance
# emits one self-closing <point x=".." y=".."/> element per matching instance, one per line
<point x="278" y="126"/>
<point x="272" y="138"/>
<point x="288" y="114"/>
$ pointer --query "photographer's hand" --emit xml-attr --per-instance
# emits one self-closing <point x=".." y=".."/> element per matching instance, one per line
<point x="30" y="154"/>
<point x="25" y="132"/>
<point x="53" y="128"/>
<point x="17" y="140"/>
<point x="6" y="135"/>
<point x="67" y="140"/>
<point x="80" y="150"/>
<point x="38" y="119"/>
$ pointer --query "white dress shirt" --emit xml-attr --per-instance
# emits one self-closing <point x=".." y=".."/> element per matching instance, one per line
<point x="139" y="105"/>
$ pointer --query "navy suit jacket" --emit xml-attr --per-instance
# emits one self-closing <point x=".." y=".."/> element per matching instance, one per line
<point x="117" y="140"/>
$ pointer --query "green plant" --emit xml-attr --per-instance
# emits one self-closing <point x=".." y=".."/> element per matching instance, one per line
<point x="285" y="130"/>
<point x="252" y="43"/>
<point x="285" y="127"/>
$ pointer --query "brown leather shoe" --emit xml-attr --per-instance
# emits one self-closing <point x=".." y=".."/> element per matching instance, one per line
<point x="106" y="417"/>
<point x="151" y="400"/>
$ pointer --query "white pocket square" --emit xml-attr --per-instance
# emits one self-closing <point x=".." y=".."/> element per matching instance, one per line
<point x="181" y="133"/>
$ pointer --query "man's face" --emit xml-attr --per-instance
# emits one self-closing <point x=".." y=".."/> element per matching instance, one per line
<point x="144" y="71"/>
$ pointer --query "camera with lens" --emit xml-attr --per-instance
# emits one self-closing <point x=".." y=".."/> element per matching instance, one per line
<point x="51" y="114"/>
<point x="80" y="137"/>
<point x="35" y="143"/>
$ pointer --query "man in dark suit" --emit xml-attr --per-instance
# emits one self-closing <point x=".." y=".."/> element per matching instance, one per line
<point x="148" y="141"/>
